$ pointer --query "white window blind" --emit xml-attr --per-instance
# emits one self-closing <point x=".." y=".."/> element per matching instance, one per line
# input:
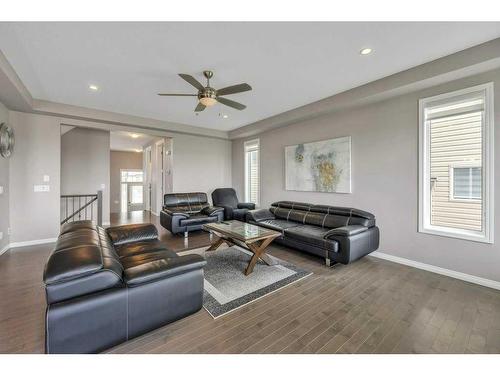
<point x="467" y="183"/>
<point x="252" y="169"/>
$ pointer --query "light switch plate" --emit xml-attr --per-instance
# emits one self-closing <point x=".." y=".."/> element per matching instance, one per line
<point x="46" y="178"/>
<point x="1" y="190"/>
<point x="41" y="188"/>
<point x="1" y="235"/>
<point x="103" y="186"/>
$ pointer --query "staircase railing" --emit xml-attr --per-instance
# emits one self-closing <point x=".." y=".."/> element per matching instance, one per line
<point x="82" y="207"/>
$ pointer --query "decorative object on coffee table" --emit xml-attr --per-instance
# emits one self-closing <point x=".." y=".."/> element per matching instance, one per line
<point x="249" y="236"/>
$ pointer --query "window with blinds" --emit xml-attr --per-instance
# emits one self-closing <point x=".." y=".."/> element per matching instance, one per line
<point x="456" y="164"/>
<point x="466" y="183"/>
<point x="252" y="169"/>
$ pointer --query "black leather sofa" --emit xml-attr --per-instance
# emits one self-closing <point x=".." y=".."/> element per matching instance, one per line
<point x="105" y="286"/>
<point x="227" y="199"/>
<point x="339" y="234"/>
<point x="186" y="212"/>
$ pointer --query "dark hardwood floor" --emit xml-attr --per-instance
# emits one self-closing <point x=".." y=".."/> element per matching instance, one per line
<point x="370" y="306"/>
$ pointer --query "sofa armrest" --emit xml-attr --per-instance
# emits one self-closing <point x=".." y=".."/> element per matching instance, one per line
<point x="250" y="206"/>
<point x="259" y="215"/>
<point x="170" y="212"/>
<point x="124" y="234"/>
<point x="348" y="230"/>
<point x="162" y="269"/>
<point x="211" y="210"/>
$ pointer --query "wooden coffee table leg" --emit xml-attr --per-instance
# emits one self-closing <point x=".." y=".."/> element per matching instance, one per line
<point x="258" y="252"/>
<point x="214" y="246"/>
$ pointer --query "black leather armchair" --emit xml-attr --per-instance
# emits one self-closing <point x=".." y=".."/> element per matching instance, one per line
<point x="233" y="210"/>
<point x="186" y="212"/>
<point x="106" y="286"/>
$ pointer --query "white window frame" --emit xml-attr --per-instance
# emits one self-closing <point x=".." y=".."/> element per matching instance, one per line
<point x="451" y="175"/>
<point x="247" y="174"/>
<point x="488" y="177"/>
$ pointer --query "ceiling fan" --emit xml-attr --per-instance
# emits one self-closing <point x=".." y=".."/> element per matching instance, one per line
<point x="209" y="96"/>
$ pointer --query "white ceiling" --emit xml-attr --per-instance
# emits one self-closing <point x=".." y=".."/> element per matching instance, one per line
<point x="123" y="141"/>
<point x="287" y="64"/>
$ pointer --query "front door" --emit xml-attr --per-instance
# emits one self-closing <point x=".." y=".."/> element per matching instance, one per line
<point x="135" y="196"/>
<point x="132" y="190"/>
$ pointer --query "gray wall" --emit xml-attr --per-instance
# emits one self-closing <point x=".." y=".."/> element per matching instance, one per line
<point x="121" y="160"/>
<point x="34" y="216"/>
<point x="200" y="164"/>
<point x="384" y="176"/>
<point x="85" y="164"/>
<point x="4" y="182"/>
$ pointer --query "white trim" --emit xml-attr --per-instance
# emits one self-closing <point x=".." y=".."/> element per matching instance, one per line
<point x="154" y="213"/>
<point x="424" y="225"/>
<point x="248" y="146"/>
<point x="435" y="269"/>
<point x="4" y="250"/>
<point x="13" y="245"/>
<point x="106" y="223"/>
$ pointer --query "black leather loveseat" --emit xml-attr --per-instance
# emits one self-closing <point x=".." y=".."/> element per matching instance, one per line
<point x="105" y="286"/>
<point x="339" y="234"/>
<point x="186" y="212"/>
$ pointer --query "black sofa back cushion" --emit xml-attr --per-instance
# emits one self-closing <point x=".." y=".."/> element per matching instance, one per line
<point x="83" y="261"/>
<point x="185" y="202"/>
<point x="225" y="197"/>
<point x="321" y="215"/>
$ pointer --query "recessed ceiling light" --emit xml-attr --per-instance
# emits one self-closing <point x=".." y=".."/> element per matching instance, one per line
<point x="366" y="51"/>
<point x="93" y="87"/>
<point x="134" y="135"/>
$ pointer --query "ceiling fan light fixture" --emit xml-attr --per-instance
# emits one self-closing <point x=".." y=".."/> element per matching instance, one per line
<point x="207" y="101"/>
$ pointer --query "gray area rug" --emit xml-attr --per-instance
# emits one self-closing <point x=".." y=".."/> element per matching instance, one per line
<point x="227" y="288"/>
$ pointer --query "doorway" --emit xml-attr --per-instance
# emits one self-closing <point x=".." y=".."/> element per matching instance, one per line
<point x="148" y="156"/>
<point x="132" y="190"/>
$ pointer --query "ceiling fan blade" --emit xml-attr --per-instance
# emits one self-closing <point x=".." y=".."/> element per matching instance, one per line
<point x="231" y="103"/>
<point x="177" y="94"/>
<point x="200" y="107"/>
<point x="192" y="81"/>
<point x="242" y="87"/>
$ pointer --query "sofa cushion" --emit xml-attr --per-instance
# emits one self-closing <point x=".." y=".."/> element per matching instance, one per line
<point x="138" y="259"/>
<point x="123" y="234"/>
<point x="141" y="247"/>
<point x="143" y="273"/>
<point x="185" y="200"/>
<point x="78" y="238"/>
<point x="73" y="226"/>
<point x="278" y="224"/>
<point x="198" y="220"/>
<point x="312" y="235"/>
<point x="225" y="197"/>
<point x="240" y="214"/>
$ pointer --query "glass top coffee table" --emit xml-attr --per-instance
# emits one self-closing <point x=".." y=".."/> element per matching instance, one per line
<point x="249" y="236"/>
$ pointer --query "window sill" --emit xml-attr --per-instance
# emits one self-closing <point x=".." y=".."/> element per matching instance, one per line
<point x="458" y="235"/>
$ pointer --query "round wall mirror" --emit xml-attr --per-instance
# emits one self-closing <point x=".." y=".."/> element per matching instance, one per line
<point x="6" y="140"/>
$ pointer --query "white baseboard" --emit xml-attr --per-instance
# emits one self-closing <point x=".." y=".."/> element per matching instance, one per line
<point x="6" y="247"/>
<point x="13" y="245"/>
<point x="442" y="271"/>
